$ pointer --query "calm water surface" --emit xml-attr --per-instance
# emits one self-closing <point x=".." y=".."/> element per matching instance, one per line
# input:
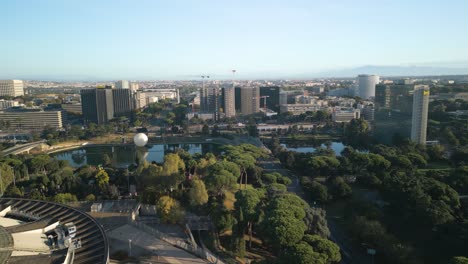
<point x="336" y="146"/>
<point x="126" y="155"/>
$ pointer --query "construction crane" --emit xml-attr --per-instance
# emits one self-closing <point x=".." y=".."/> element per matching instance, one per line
<point x="264" y="101"/>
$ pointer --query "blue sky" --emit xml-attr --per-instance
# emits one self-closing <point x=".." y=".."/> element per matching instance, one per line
<point x="111" y="39"/>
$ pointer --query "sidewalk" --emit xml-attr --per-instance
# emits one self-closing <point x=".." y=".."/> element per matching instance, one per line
<point x="167" y="252"/>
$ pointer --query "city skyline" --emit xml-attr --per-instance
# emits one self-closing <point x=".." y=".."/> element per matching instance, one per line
<point x="145" y="40"/>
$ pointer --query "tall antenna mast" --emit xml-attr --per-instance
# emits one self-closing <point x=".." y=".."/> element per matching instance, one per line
<point x="233" y="76"/>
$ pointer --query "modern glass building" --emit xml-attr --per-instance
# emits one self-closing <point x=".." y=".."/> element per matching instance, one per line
<point x="273" y="100"/>
<point x="393" y="111"/>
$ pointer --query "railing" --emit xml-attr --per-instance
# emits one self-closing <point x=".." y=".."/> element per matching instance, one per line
<point x="25" y="214"/>
<point x="194" y="249"/>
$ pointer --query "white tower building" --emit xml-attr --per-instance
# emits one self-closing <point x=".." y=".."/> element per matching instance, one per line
<point x="122" y="84"/>
<point x="11" y="88"/>
<point x="366" y="85"/>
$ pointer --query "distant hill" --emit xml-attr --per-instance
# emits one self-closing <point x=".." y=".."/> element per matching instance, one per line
<point x="395" y="71"/>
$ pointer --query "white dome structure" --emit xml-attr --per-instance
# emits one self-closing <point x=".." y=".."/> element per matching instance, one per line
<point x="140" y="139"/>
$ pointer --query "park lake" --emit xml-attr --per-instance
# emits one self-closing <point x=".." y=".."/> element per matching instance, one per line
<point x="122" y="156"/>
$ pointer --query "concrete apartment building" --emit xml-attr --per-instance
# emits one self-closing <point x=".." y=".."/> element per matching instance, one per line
<point x="420" y="111"/>
<point x="12" y="88"/>
<point x="250" y="97"/>
<point x="297" y="109"/>
<point x="5" y="104"/>
<point x="134" y="87"/>
<point x="122" y="84"/>
<point x="73" y="108"/>
<point x="123" y="102"/>
<point x="345" y="114"/>
<point x="101" y="105"/>
<point x="36" y="119"/>
<point x="228" y="101"/>
<point x="97" y="105"/>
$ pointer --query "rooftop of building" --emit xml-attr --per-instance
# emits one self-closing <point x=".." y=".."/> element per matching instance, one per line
<point x="24" y="224"/>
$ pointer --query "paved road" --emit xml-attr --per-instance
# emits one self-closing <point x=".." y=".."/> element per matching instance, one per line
<point x="349" y="254"/>
<point x="19" y="148"/>
<point x="166" y="252"/>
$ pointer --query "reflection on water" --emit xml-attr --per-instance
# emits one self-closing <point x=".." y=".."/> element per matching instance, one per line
<point x="336" y="146"/>
<point x="125" y="155"/>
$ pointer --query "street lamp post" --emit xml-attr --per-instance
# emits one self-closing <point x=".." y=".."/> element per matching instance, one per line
<point x="371" y="252"/>
<point x="129" y="247"/>
<point x="1" y="182"/>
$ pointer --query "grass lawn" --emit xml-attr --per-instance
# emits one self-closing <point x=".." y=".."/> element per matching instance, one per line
<point x="439" y="165"/>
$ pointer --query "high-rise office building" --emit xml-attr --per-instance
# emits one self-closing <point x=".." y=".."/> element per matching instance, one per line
<point x="238" y="99"/>
<point x="250" y="97"/>
<point x="140" y="99"/>
<point x="134" y="87"/>
<point x="283" y="98"/>
<point x="228" y="101"/>
<point x="273" y="100"/>
<point x="393" y="111"/>
<point x="420" y="111"/>
<point x="210" y="101"/>
<point x="97" y="105"/>
<point x="122" y="84"/>
<point x="366" y="85"/>
<point x="123" y="102"/>
<point x="394" y="96"/>
<point x="102" y="104"/>
<point x="12" y="88"/>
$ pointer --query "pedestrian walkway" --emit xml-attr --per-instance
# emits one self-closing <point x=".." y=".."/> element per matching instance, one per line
<point x="166" y="252"/>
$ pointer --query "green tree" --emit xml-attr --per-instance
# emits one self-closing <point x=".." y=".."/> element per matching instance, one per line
<point x="247" y="202"/>
<point x="357" y="133"/>
<point x="90" y="198"/>
<point x="106" y="159"/>
<point x="198" y="194"/>
<point x="169" y="209"/>
<point x="323" y="165"/>
<point x="436" y="152"/>
<point x="102" y="178"/>
<point x="338" y="188"/>
<point x="325" y="247"/>
<point x="284" y="224"/>
<point x="220" y="181"/>
<point x="39" y="162"/>
<point x="270" y="177"/>
<point x="35" y="194"/>
<point x="7" y="174"/>
<point x="282" y="231"/>
<point x="302" y="253"/>
<point x="205" y="129"/>
<point x="459" y="260"/>
<point x="316" y="222"/>
<point x="13" y="191"/>
<point x="173" y="164"/>
<point x="64" y="198"/>
<point x="173" y="170"/>
<point x="317" y="191"/>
